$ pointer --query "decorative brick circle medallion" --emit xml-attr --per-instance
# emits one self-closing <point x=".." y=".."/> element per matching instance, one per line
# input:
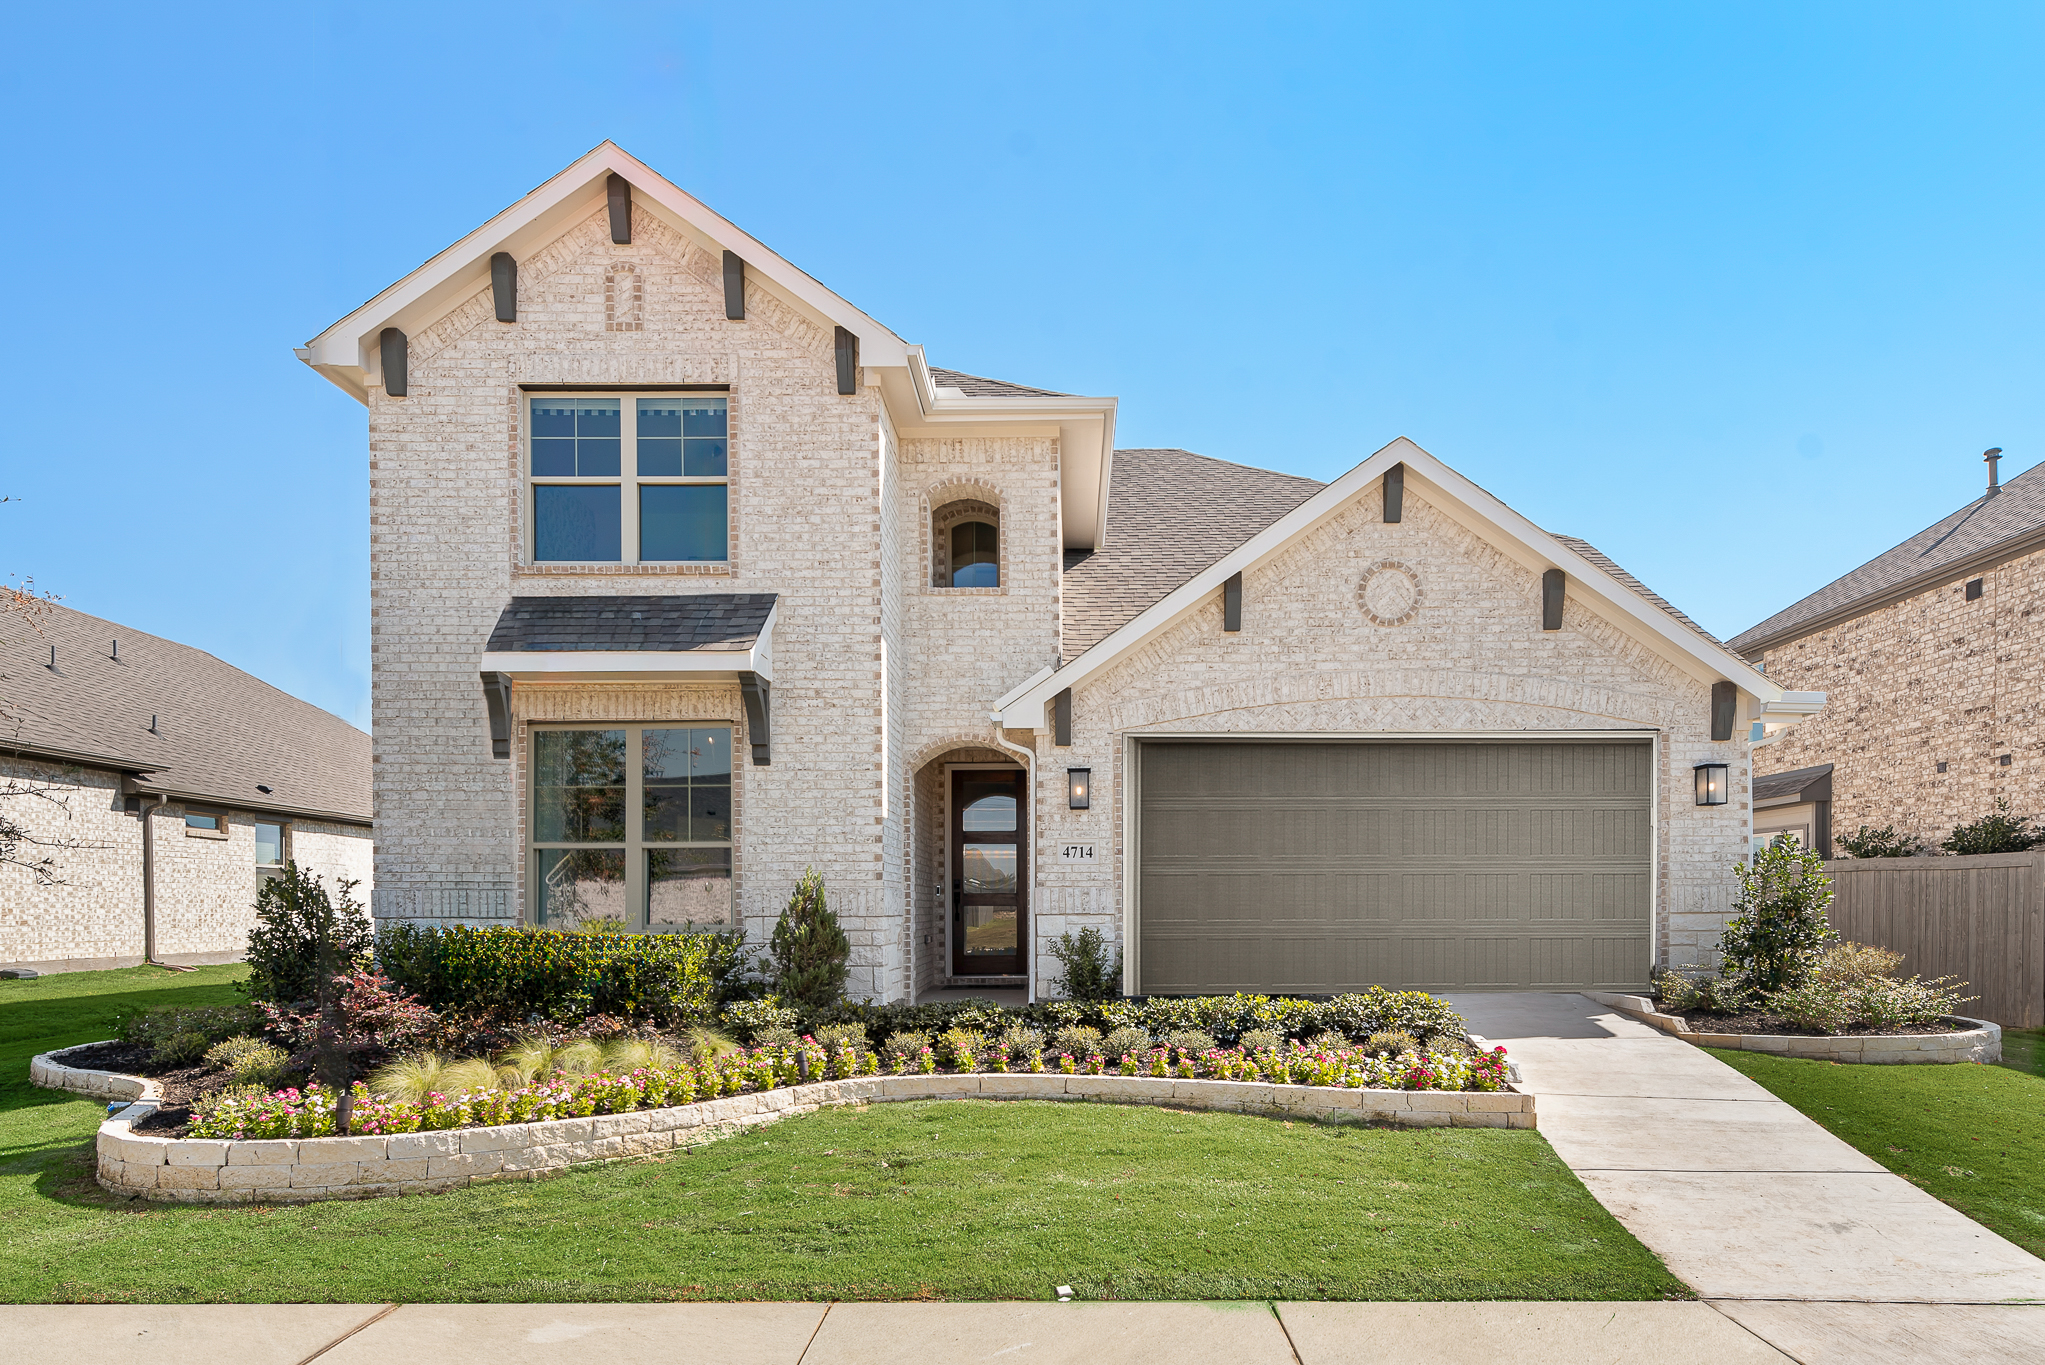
<point x="1389" y="594"/>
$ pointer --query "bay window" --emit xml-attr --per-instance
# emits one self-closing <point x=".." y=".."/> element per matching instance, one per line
<point x="629" y="479"/>
<point x="632" y="826"/>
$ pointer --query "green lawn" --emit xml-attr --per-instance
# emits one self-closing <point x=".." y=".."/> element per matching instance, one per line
<point x="2023" y="1049"/>
<point x="1973" y="1136"/>
<point x="961" y="1200"/>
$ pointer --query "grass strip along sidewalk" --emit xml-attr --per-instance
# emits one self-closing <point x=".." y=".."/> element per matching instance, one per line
<point x="953" y="1200"/>
<point x="1970" y="1135"/>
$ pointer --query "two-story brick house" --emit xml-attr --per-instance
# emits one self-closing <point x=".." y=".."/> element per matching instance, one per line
<point x="689" y="574"/>
<point x="1933" y="654"/>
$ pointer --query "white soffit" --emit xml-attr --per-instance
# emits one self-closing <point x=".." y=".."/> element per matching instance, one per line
<point x="1458" y="497"/>
<point x="347" y="352"/>
<point x="691" y="665"/>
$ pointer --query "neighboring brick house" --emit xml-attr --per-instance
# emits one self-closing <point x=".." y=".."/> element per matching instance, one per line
<point x="688" y="574"/>
<point x="181" y="781"/>
<point x="1933" y="655"/>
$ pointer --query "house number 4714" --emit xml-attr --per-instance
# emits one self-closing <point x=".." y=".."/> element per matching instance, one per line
<point x="1076" y="853"/>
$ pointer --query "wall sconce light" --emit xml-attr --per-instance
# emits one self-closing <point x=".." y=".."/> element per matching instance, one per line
<point x="1714" y="786"/>
<point x="1079" y="787"/>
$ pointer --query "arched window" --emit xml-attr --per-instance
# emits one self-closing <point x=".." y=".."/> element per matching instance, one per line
<point x="966" y="546"/>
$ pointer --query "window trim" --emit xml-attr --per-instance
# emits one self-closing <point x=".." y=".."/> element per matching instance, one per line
<point x="635" y="844"/>
<point x="628" y="481"/>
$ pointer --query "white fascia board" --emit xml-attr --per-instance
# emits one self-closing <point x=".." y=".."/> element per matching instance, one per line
<point x="1023" y="708"/>
<point x="1793" y="704"/>
<point x="700" y="665"/>
<point x="1086" y="437"/>
<point x="346" y="352"/>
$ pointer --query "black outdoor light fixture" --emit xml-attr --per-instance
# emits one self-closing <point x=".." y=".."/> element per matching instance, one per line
<point x="1714" y="788"/>
<point x="1079" y="787"/>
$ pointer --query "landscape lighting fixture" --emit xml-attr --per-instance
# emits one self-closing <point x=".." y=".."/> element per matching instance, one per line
<point x="1714" y="788"/>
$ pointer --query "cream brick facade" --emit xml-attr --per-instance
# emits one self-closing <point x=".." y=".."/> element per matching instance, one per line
<point x="881" y="678"/>
<point x="1927" y="680"/>
<point x="205" y="886"/>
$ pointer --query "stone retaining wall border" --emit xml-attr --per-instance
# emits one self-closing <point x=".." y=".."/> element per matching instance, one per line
<point x="1982" y="1043"/>
<point x="196" y="1170"/>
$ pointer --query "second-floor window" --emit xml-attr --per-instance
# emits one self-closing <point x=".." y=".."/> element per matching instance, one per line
<point x="628" y="479"/>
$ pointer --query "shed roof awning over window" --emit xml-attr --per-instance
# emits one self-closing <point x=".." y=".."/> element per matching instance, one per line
<point x="708" y="637"/>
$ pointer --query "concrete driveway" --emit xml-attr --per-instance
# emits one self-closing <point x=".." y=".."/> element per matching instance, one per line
<point x="1764" y="1213"/>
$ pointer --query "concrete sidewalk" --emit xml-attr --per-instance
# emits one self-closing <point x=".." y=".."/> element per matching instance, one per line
<point x="1782" y="1226"/>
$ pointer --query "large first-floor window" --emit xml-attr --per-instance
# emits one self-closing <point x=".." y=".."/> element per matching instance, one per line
<point x="631" y="826"/>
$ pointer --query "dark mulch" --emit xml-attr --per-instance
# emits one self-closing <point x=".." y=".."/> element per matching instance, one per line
<point x="181" y="1085"/>
<point x="1751" y="1022"/>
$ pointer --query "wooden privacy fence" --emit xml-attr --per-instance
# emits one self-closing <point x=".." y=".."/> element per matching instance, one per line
<point x="1980" y="918"/>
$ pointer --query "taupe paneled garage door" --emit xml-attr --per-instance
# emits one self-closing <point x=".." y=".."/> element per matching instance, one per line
<point x="1325" y="866"/>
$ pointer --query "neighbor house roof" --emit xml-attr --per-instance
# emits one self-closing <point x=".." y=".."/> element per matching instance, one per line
<point x="1171" y="513"/>
<point x="220" y="733"/>
<point x="1985" y="532"/>
<point x="710" y="621"/>
<point x="1798" y="784"/>
<point x="976" y="386"/>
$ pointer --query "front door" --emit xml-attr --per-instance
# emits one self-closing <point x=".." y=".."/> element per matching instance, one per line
<point x="988" y="849"/>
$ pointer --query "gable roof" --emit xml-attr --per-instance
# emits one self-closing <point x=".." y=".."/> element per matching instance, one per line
<point x="1605" y="562"/>
<point x="220" y="732"/>
<point x="346" y="353"/>
<point x="1023" y="707"/>
<point x="1171" y="513"/>
<point x="978" y="386"/>
<point x="1983" y="533"/>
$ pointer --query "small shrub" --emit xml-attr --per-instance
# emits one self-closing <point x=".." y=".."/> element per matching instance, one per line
<point x="1826" y="1006"/>
<point x="523" y="974"/>
<point x="296" y="923"/>
<point x="1260" y="1040"/>
<point x="1869" y="842"/>
<point x="749" y="1018"/>
<point x="1774" y="941"/>
<point x="248" y="1061"/>
<point x="1850" y="964"/>
<point x="1123" y="1041"/>
<point x="777" y="1036"/>
<point x="1021" y="1044"/>
<point x="367" y="1020"/>
<point x="1362" y="1013"/>
<point x="905" y="1046"/>
<point x="180" y="1037"/>
<point x="1076" y="1040"/>
<point x="1883" y="1002"/>
<point x="961" y="1048"/>
<point x="810" y="951"/>
<point x="1996" y="832"/>
<point x="1188" y="1040"/>
<point x="1447" y="1046"/>
<point x="1086" y="972"/>
<point x="1391" y="1043"/>
<point x="1329" y="1041"/>
<point x="835" y="1036"/>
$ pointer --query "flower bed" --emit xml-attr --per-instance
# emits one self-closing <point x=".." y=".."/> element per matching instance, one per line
<point x="1964" y="1040"/>
<point x="310" y="1113"/>
<point x="295" y="1169"/>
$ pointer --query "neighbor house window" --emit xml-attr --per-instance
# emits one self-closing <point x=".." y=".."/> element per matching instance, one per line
<point x="205" y="824"/>
<point x="632" y="826"/>
<point x="628" y="480"/>
<point x="966" y="545"/>
<point x="269" y="845"/>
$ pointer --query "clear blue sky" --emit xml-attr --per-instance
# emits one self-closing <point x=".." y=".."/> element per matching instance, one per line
<point x="1737" y="292"/>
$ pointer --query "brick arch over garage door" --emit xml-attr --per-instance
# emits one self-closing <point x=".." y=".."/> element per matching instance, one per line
<point x="1327" y="865"/>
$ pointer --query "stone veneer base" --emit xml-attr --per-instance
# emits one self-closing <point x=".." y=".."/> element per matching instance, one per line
<point x="201" y="1171"/>
<point x="1982" y="1043"/>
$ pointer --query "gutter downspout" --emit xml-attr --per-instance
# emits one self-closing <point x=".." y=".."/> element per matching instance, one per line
<point x="149" y="882"/>
<point x="1029" y="762"/>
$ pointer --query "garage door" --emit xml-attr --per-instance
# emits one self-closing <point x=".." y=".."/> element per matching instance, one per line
<point x="1310" y="866"/>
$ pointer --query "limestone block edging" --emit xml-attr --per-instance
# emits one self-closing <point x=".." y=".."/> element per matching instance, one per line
<point x="191" y="1170"/>
<point x="1982" y="1043"/>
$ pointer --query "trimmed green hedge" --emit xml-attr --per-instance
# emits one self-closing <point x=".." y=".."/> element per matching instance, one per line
<point x="565" y="977"/>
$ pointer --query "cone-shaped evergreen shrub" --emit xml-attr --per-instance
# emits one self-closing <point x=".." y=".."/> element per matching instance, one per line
<point x="810" y="950"/>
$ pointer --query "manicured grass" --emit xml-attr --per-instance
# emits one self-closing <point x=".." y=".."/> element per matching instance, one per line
<point x="1974" y="1136"/>
<point x="958" y="1200"/>
<point x="2023" y="1049"/>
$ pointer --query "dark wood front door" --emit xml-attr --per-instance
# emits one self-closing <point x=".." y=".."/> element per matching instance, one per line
<point x="988" y="876"/>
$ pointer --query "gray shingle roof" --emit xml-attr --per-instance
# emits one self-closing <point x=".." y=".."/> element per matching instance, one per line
<point x="1791" y="783"/>
<point x="712" y="621"/>
<point x="220" y="733"/>
<point x="1981" y="529"/>
<point x="975" y="386"/>
<point x="1171" y="513"/>
<point x="1605" y="562"/>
